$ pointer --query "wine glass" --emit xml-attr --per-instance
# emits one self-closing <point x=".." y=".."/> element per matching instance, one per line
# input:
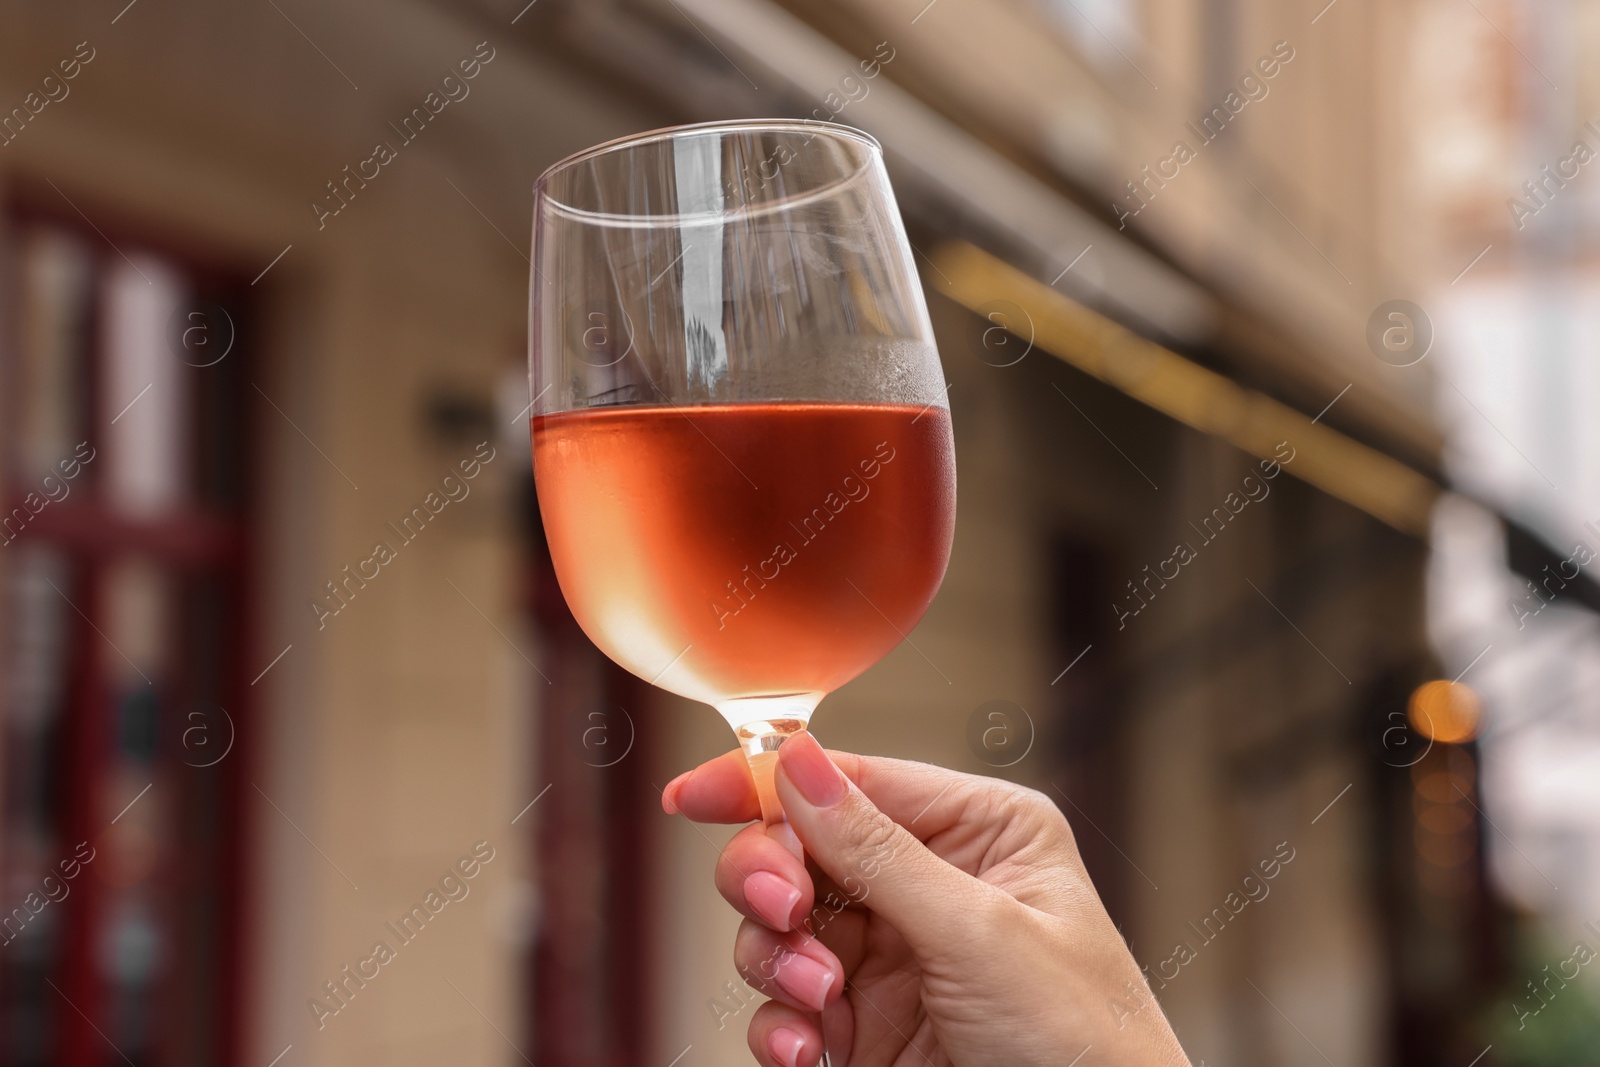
<point x="741" y="441"/>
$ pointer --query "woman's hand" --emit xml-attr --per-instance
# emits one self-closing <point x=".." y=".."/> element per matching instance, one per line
<point x="947" y="920"/>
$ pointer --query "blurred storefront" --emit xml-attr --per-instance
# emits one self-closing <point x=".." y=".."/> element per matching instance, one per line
<point x="1189" y="596"/>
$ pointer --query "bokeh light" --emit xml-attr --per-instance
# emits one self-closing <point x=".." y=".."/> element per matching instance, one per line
<point x="1447" y="712"/>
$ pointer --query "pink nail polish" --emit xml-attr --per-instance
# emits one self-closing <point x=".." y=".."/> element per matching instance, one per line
<point x="806" y="980"/>
<point x="786" y="1046"/>
<point x="669" y="795"/>
<point x="811" y="771"/>
<point x="771" y="898"/>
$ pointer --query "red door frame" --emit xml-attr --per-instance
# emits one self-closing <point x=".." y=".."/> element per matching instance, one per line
<point x="188" y="542"/>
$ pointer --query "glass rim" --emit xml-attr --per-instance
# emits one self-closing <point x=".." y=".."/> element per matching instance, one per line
<point x="634" y="140"/>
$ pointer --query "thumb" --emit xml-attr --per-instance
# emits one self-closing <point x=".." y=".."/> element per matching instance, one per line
<point x="877" y="862"/>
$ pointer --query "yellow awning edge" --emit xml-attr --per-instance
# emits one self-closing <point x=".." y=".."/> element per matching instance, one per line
<point x="1378" y="484"/>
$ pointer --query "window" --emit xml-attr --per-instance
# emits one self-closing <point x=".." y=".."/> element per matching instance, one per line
<point x="1106" y="31"/>
<point x="123" y="543"/>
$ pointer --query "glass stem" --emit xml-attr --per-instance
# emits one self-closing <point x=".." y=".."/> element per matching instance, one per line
<point x="760" y="738"/>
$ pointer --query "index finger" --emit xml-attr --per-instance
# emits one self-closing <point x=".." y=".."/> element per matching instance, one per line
<point x="719" y="790"/>
<point x="919" y="796"/>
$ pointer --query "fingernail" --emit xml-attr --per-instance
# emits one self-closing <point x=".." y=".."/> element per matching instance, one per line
<point x="811" y="771"/>
<point x="771" y="898"/>
<point x="669" y="795"/>
<point x="786" y="1046"/>
<point x="806" y="980"/>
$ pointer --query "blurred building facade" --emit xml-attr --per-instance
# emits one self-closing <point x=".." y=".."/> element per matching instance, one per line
<point x="1153" y="238"/>
<point x="1507" y="121"/>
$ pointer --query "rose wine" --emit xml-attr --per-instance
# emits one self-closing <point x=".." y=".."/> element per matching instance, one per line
<point x="729" y="551"/>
